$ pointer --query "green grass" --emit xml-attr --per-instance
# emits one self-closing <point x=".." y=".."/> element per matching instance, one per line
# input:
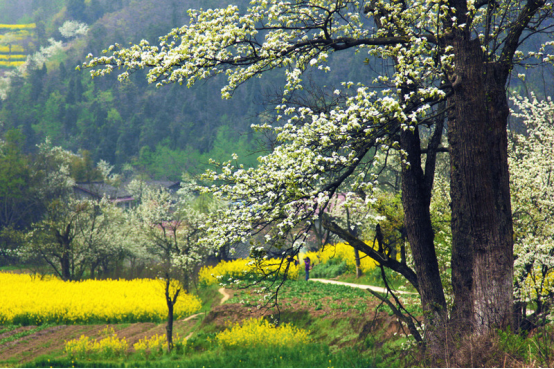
<point x="311" y="355"/>
<point x="209" y="296"/>
<point x="373" y="278"/>
<point x="11" y="268"/>
<point x="343" y="298"/>
<point x="21" y="334"/>
<point x="331" y="269"/>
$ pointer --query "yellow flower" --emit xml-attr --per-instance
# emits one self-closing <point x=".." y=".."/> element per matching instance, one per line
<point x="27" y="300"/>
<point x="259" y="332"/>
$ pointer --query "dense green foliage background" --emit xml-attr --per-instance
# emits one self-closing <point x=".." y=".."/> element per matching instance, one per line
<point x="160" y="131"/>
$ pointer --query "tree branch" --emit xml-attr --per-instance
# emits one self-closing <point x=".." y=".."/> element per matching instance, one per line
<point x="384" y="260"/>
<point x="514" y="34"/>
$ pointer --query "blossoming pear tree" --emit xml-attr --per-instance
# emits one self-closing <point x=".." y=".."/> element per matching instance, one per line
<point x="447" y="58"/>
<point x="531" y="169"/>
<point x="168" y="228"/>
<point x="71" y="235"/>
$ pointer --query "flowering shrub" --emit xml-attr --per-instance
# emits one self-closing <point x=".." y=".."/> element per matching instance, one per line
<point x="531" y="160"/>
<point x="259" y="332"/>
<point x="110" y="346"/>
<point x="243" y="268"/>
<point x="31" y="301"/>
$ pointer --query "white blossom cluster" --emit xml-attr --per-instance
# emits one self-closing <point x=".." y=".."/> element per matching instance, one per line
<point x="72" y="29"/>
<point x="166" y="227"/>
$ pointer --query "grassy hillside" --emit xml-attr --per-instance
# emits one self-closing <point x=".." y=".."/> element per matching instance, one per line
<point x="339" y="335"/>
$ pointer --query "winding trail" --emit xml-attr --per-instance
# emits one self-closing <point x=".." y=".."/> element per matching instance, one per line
<point x="225" y="297"/>
<point x="363" y="286"/>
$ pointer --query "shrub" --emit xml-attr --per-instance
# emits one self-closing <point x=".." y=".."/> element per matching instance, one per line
<point x="260" y="333"/>
<point x="108" y="347"/>
<point x="330" y="269"/>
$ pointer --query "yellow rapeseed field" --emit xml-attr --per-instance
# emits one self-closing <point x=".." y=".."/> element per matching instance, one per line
<point x="18" y="26"/>
<point x="14" y="64"/>
<point x="13" y="49"/>
<point x="341" y="251"/>
<point x="259" y="332"/>
<point x="229" y="270"/>
<point x="109" y="346"/>
<point x="13" y="57"/>
<point x="26" y="300"/>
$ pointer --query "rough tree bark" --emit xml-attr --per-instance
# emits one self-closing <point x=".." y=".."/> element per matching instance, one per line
<point x="482" y="235"/>
<point x="416" y="197"/>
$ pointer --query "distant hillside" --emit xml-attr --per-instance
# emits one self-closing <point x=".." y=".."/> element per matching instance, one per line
<point x="160" y="132"/>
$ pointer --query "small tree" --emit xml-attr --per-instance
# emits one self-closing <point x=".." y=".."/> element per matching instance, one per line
<point x="168" y="228"/>
<point x="75" y="235"/>
<point x="70" y="234"/>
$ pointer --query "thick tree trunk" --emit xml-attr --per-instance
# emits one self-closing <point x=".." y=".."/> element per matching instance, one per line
<point x="482" y="241"/>
<point x="416" y="197"/>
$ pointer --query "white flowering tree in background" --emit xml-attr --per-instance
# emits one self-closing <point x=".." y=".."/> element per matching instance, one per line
<point x="73" y="236"/>
<point x="444" y="56"/>
<point x="168" y="228"/>
<point x="32" y="62"/>
<point x="71" y="29"/>
<point x="532" y="184"/>
<point x="76" y="235"/>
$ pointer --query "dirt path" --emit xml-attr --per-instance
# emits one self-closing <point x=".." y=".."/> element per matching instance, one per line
<point x="192" y="317"/>
<point x="225" y="297"/>
<point x="363" y="286"/>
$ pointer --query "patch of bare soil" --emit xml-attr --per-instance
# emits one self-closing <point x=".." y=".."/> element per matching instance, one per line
<point x="53" y="339"/>
<point x="39" y="343"/>
<point x="18" y="330"/>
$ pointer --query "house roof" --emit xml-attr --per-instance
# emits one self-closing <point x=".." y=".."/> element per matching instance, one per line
<point x="166" y="184"/>
<point x="99" y="189"/>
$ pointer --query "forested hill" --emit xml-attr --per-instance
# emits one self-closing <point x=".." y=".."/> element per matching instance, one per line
<point x="162" y="132"/>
